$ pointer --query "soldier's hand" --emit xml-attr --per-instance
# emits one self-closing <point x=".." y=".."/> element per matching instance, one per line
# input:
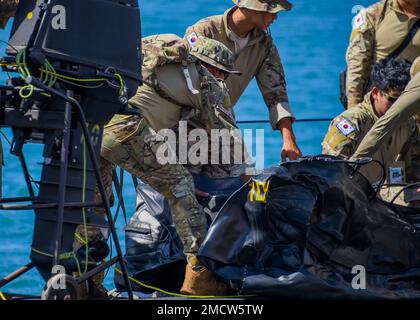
<point x="290" y="150"/>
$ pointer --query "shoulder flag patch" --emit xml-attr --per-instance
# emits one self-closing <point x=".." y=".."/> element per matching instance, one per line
<point x="358" y="20"/>
<point x="345" y="127"/>
<point x="192" y="38"/>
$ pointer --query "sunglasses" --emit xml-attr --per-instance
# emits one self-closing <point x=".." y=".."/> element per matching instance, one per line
<point x="226" y="74"/>
<point x="390" y="98"/>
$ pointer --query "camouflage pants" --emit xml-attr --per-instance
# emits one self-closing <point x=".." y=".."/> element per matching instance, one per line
<point x="82" y="236"/>
<point x="238" y="164"/>
<point x="388" y="193"/>
<point x="132" y="145"/>
<point x="413" y="170"/>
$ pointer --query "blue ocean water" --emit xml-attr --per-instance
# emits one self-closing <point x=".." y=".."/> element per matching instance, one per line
<point x="312" y="39"/>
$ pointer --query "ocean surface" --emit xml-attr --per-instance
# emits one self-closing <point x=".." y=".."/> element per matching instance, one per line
<point x="312" y="40"/>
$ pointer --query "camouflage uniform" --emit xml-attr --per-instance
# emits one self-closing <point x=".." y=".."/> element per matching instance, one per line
<point x="259" y="58"/>
<point x="7" y="10"/>
<point x="398" y="115"/>
<point x="132" y="142"/>
<point x="347" y="130"/>
<point x="377" y="32"/>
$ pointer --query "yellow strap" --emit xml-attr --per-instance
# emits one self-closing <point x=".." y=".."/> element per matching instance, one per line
<point x="174" y="294"/>
<point x="63" y="256"/>
<point x="2" y="297"/>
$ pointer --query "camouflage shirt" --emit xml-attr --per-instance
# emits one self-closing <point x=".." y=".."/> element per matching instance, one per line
<point x="7" y="10"/>
<point x="259" y="59"/>
<point x="377" y="32"/>
<point x="347" y="131"/>
<point x="398" y="115"/>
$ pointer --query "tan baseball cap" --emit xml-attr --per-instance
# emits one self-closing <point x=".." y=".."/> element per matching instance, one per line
<point x="272" y="6"/>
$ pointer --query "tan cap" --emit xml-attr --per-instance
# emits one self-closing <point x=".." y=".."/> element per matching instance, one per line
<point x="272" y="6"/>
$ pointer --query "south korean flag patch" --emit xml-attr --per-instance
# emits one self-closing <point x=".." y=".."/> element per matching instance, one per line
<point x="192" y="38"/>
<point x="358" y="20"/>
<point x="345" y="127"/>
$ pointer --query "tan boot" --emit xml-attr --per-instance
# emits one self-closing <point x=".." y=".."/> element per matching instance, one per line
<point x="199" y="281"/>
<point x="93" y="289"/>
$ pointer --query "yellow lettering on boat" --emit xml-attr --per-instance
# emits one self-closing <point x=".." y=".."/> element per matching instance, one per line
<point x="259" y="191"/>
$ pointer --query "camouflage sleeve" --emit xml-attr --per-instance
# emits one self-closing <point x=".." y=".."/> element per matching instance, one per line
<point x="342" y="137"/>
<point x="405" y="107"/>
<point x="359" y="56"/>
<point x="272" y="83"/>
<point x="7" y="10"/>
<point x="201" y="28"/>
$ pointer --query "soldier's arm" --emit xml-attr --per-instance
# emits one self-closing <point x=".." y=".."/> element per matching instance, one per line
<point x="406" y="106"/>
<point x="7" y="10"/>
<point x="359" y="56"/>
<point x="272" y="84"/>
<point x="201" y="28"/>
<point x="341" y="138"/>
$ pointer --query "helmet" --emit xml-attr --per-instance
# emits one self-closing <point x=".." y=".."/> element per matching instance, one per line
<point x="212" y="52"/>
<point x="272" y="6"/>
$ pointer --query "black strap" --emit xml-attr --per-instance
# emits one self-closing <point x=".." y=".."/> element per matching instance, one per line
<point x="119" y="188"/>
<point x="135" y="181"/>
<point x="406" y="41"/>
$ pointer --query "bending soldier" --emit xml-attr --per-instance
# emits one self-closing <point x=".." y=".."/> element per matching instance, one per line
<point x="387" y="29"/>
<point x="133" y="143"/>
<point x="389" y="78"/>
<point x="407" y="105"/>
<point x="243" y="29"/>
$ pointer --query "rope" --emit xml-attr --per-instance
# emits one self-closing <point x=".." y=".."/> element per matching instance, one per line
<point x="83" y="208"/>
<point x="62" y="256"/>
<point x="174" y="294"/>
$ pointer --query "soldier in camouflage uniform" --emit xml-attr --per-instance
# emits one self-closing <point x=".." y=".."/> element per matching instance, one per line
<point x="255" y="56"/>
<point x="407" y="105"/>
<point x="132" y="142"/>
<point x="389" y="78"/>
<point x="377" y="32"/>
<point x="7" y="10"/>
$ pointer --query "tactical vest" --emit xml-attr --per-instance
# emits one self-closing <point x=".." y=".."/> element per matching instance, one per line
<point x="161" y="50"/>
